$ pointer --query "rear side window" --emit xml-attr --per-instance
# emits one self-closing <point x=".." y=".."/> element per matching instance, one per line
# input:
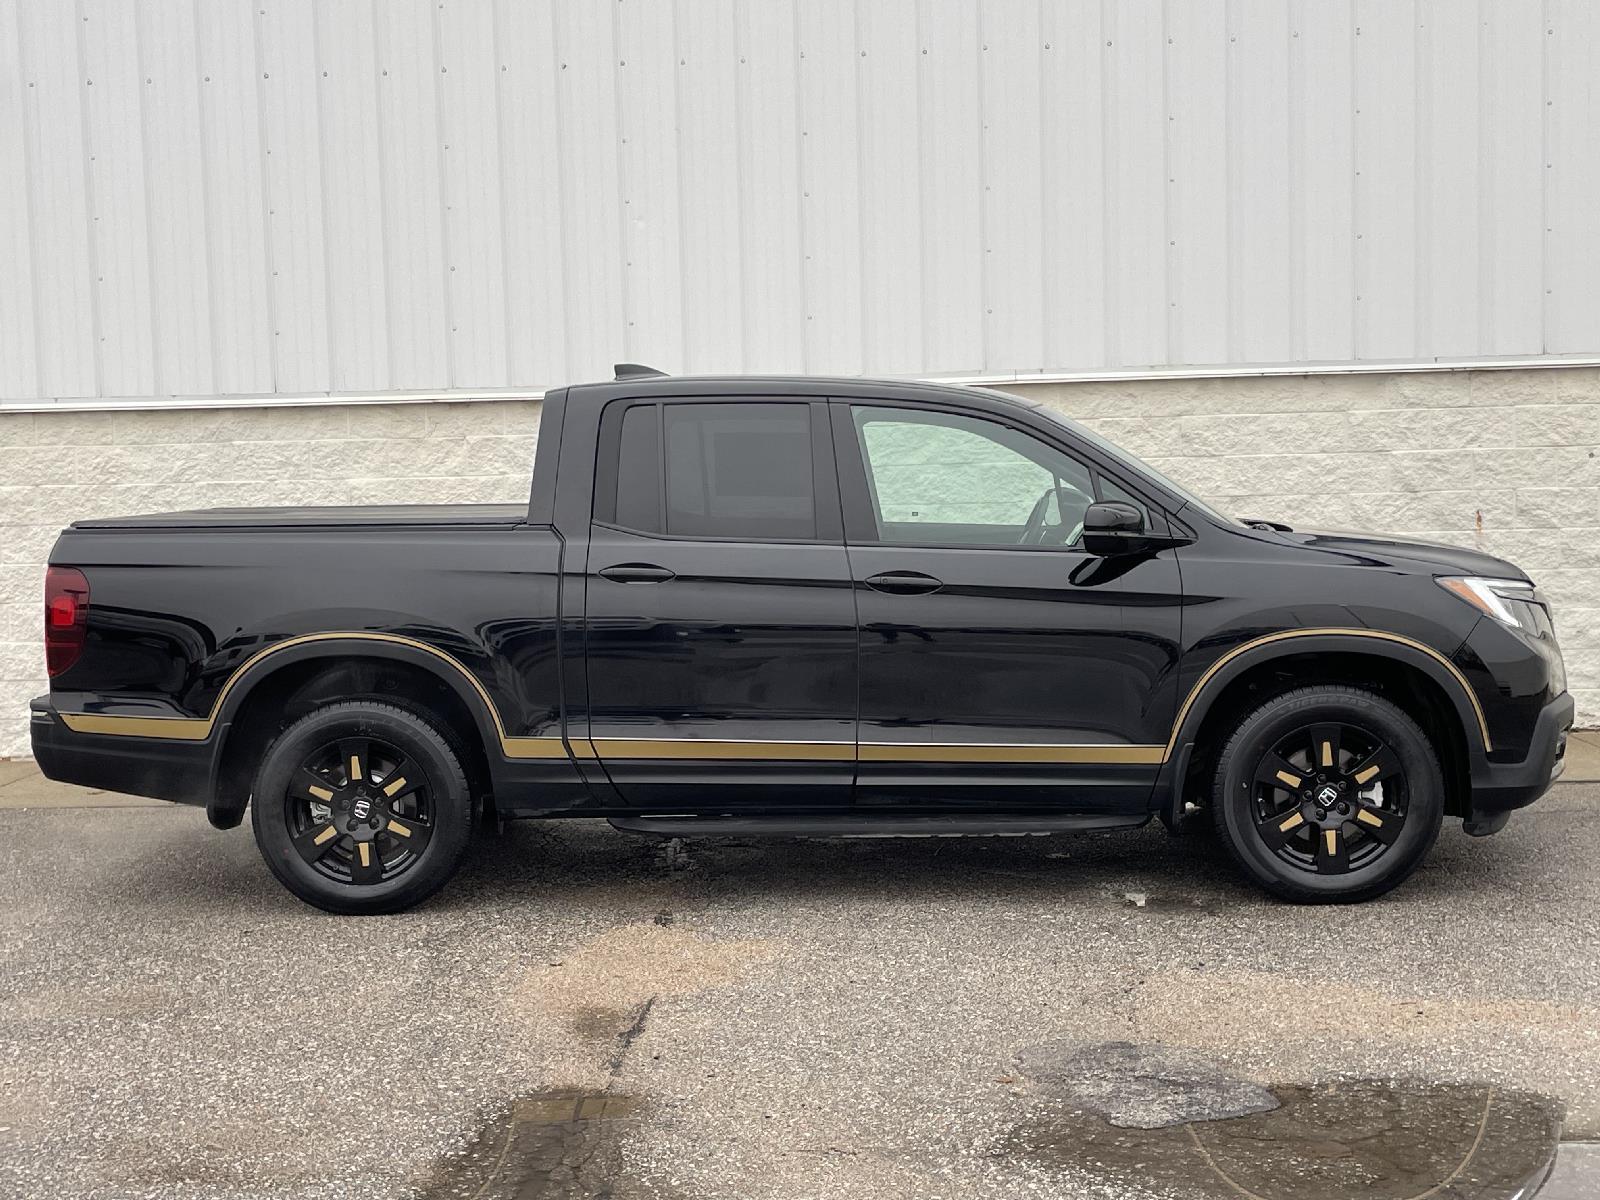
<point x="733" y="470"/>
<point x="639" y="469"/>
<point x="740" y="471"/>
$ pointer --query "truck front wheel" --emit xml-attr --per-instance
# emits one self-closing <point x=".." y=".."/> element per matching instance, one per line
<point x="1328" y="794"/>
<point x="361" y="807"/>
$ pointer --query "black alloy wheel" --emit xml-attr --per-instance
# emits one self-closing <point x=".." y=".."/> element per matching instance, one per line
<point x="1329" y="798"/>
<point x="359" y="810"/>
<point x="362" y="807"/>
<point x="1327" y="794"/>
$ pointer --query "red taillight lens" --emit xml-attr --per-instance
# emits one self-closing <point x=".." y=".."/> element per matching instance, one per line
<point x="66" y="616"/>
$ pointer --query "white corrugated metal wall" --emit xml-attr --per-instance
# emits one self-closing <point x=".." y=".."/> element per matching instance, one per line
<point x="210" y="197"/>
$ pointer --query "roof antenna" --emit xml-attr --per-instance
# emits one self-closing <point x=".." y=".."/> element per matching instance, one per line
<point x="637" y="371"/>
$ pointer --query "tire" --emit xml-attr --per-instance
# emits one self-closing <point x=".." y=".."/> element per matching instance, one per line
<point x="362" y="774"/>
<point x="1365" y="807"/>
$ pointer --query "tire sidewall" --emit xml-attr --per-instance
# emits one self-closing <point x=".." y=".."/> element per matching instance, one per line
<point x="452" y="807"/>
<point x="1265" y="727"/>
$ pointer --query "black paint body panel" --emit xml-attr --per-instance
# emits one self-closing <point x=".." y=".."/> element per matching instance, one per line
<point x="779" y="643"/>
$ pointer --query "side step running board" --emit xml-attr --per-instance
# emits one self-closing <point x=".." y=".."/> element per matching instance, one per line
<point x="868" y="826"/>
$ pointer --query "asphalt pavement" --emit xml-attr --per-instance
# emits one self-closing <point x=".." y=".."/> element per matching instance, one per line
<point x="584" y="1013"/>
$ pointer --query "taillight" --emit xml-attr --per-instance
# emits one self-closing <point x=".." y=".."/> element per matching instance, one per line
<point x="66" y="615"/>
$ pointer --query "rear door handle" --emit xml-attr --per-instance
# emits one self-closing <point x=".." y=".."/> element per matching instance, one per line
<point x="904" y="583"/>
<point x="636" y="573"/>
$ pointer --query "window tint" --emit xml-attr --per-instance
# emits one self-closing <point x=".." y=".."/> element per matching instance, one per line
<point x="739" y="471"/>
<point x="944" y="478"/>
<point x="639" y="469"/>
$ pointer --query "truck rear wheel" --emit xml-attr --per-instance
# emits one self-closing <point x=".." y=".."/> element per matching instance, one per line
<point x="361" y="807"/>
<point x="1328" y="794"/>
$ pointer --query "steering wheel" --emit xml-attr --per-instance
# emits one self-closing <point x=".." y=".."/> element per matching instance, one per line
<point x="1038" y="532"/>
<point x="1033" y="532"/>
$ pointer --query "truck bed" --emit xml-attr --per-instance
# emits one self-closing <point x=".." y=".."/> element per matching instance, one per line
<point x="323" y="516"/>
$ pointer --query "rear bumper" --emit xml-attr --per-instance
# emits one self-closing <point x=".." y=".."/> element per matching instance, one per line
<point x="156" y="767"/>
<point x="1499" y="789"/>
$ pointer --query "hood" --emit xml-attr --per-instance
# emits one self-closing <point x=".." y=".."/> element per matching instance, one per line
<point x="1432" y="556"/>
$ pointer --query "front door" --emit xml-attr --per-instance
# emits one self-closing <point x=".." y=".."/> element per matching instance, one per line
<point x="719" y="622"/>
<point x="1001" y="664"/>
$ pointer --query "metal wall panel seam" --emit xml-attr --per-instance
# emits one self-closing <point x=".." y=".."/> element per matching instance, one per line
<point x="382" y="152"/>
<point x="266" y="194"/>
<point x="684" y="355"/>
<point x="97" y="341"/>
<point x="800" y="192"/>
<point x="1486" y="170"/>
<point x="441" y="133"/>
<point x="157" y="372"/>
<point x="28" y="170"/>
<point x="1421" y="174"/>
<point x="1296" y="215"/>
<point x="207" y="210"/>
<point x="629" y="352"/>
<point x="1546" y="180"/>
<point x="1357" y="274"/>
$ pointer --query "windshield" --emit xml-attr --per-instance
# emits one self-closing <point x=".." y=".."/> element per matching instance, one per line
<point x="1135" y="464"/>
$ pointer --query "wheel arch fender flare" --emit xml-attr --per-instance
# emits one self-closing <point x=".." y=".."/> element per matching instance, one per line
<point x="441" y="665"/>
<point x="1295" y="642"/>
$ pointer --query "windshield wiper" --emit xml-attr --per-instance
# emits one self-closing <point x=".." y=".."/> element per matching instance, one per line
<point x="1262" y="523"/>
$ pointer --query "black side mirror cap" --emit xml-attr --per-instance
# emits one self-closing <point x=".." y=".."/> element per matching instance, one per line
<point x="1117" y="527"/>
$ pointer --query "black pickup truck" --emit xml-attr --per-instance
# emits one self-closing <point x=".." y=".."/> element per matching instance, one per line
<point x="804" y="607"/>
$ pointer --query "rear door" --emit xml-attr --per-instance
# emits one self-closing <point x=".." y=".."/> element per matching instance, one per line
<point x="1001" y="664"/>
<point x="720" y="619"/>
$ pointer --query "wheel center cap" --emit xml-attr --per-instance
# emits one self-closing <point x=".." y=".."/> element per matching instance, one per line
<point x="1327" y="794"/>
<point x="361" y="809"/>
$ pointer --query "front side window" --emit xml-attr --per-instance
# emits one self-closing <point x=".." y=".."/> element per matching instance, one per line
<point x="944" y="478"/>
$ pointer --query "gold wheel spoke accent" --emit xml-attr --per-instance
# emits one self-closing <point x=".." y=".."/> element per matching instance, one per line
<point x="1325" y="746"/>
<point x="1274" y="770"/>
<point x="1382" y="826"/>
<point x="328" y="832"/>
<point x="364" y="851"/>
<point x="356" y="774"/>
<point x="395" y="827"/>
<point x="394" y="785"/>
<point x="1367" y="775"/>
<point x="1333" y="858"/>
<point x="1293" y="821"/>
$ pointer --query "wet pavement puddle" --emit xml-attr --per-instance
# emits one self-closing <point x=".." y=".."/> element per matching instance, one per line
<point x="1147" y="1117"/>
<point x="1352" y="1140"/>
<point x="558" y="1145"/>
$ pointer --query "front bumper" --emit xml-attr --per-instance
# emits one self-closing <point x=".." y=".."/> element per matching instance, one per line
<point x="156" y="767"/>
<point x="1499" y="788"/>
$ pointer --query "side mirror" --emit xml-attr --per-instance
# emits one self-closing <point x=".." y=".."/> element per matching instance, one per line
<point x="1114" y="527"/>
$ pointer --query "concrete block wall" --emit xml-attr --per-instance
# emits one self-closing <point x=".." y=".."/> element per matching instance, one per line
<point x="1505" y="461"/>
<point x="58" y="467"/>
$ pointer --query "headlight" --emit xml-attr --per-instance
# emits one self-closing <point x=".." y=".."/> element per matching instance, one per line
<point x="1512" y="602"/>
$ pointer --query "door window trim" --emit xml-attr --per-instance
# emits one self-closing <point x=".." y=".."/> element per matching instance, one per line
<point x="824" y="473"/>
<point x="855" y="491"/>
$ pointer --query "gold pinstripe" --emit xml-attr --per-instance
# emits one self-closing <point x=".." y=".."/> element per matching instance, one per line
<point x="199" y="728"/>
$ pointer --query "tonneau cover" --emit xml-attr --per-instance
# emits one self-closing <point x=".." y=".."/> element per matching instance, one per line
<point x="320" y="516"/>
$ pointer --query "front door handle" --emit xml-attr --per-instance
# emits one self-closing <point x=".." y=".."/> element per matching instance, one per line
<point x="904" y="583"/>
<point x="636" y="573"/>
